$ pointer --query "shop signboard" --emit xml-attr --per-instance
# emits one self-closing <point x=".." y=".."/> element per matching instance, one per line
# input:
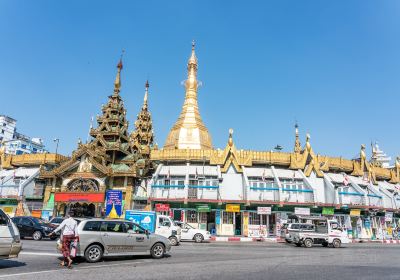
<point x="36" y="213"/>
<point x="160" y="207"/>
<point x="79" y="197"/>
<point x="218" y="217"/>
<point x="203" y="208"/>
<point x="232" y="208"/>
<point x="264" y="210"/>
<point x="328" y="211"/>
<point x="258" y="231"/>
<point x="388" y="216"/>
<point x="113" y="204"/>
<point x="355" y="212"/>
<point x="302" y="211"/>
<point x="146" y="219"/>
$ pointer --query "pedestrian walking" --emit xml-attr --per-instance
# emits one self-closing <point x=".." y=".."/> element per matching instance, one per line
<point x="68" y="235"/>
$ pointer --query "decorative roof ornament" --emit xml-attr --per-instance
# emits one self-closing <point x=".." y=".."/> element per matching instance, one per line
<point x="117" y="83"/>
<point x="297" y="144"/>
<point x="230" y="140"/>
<point x="142" y="138"/>
<point x="189" y="131"/>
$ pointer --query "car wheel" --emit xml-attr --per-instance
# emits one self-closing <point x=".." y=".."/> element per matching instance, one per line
<point x="336" y="243"/>
<point x="157" y="251"/>
<point x="288" y="241"/>
<point x="308" y="243"/>
<point x="297" y="244"/>
<point x="37" y="235"/>
<point x="198" y="238"/>
<point x="173" y="240"/>
<point x="93" y="253"/>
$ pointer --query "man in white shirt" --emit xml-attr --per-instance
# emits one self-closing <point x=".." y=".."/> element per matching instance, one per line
<point x="69" y="234"/>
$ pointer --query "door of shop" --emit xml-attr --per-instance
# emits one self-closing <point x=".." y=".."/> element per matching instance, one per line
<point x="238" y="223"/>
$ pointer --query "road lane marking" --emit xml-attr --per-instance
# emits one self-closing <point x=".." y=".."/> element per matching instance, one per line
<point x="40" y="254"/>
<point x="63" y="269"/>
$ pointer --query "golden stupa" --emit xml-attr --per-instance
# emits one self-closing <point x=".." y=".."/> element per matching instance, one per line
<point x="189" y="131"/>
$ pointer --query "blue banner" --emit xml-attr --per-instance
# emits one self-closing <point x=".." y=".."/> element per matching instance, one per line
<point x="145" y="219"/>
<point x="113" y="204"/>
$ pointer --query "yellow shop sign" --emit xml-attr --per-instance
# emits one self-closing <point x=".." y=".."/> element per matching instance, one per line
<point x="232" y="208"/>
<point x="355" y="212"/>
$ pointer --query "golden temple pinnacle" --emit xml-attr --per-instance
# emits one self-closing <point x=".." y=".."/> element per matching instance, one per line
<point x="189" y="131"/>
<point x="117" y="83"/>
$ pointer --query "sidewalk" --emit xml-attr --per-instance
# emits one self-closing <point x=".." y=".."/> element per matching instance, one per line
<point x="243" y="239"/>
<point x="279" y="240"/>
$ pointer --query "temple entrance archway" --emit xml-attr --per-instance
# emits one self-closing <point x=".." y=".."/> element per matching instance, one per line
<point x="78" y="209"/>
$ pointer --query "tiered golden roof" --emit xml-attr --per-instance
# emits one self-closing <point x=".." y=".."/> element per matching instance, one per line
<point x="189" y="131"/>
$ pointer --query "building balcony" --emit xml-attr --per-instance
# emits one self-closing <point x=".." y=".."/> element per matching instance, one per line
<point x="183" y="192"/>
<point x="351" y="198"/>
<point x="297" y="196"/>
<point x="263" y="194"/>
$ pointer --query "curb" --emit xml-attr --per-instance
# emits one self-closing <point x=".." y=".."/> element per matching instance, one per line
<point x="242" y="239"/>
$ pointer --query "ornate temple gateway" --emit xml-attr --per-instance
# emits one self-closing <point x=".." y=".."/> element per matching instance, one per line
<point x="112" y="160"/>
<point x="252" y="193"/>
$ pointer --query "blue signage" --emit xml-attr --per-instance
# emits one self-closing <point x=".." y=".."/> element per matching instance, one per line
<point x="146" y="219"/>
<point x="218" y="217"/>
<point x="113" y="204"/>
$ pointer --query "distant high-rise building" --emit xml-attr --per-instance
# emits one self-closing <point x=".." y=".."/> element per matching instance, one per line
<point x="7" y="128"/>
<point x="16" y="143"/>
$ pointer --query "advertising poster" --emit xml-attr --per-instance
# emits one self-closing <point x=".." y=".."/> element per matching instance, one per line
<point x="146" y="219"/>
<point x="246" y="223"/>
<point x="113" y="204"/>
<point x="388" y="216"/>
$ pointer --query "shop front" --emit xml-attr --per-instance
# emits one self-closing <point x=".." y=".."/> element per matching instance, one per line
<point x="9" y="206"/>
<point x="81" y="204"/>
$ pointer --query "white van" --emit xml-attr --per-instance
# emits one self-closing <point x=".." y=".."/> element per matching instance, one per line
<point x="155" y="223"/>
<point x="10" y="243"/>
<point x="166" y="227"/>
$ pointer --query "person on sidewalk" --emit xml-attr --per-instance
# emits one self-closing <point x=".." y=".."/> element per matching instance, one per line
<point x="68" y="235"/>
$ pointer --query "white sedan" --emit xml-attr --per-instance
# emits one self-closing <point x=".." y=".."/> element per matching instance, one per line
<point x="190" y="233"/>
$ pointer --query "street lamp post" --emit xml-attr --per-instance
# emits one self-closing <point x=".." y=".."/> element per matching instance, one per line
<point x="57" y="140"/>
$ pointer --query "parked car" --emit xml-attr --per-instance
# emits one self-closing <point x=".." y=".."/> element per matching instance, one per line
<point x="287" y="229"/>
<point x="191" y="233"/>
<point x="10" y="244"/>
<point x="101" y="237"/>
<point x="327" y="233"/>
<point x="33" y="227"/>
<point x="56" y="221"/>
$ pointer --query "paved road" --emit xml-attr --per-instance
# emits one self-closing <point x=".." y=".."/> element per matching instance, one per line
<point x="39" y="260"/>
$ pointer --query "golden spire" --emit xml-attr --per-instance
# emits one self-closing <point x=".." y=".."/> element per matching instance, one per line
<point x="117" y="83"/>
<point x="297" y="144"/>
<point x="146" y="95"/>
<point x="189" y="131"/>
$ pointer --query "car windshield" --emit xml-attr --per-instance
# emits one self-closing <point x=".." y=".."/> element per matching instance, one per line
<point x="187" y="226"/>
<point x="39" y="221"/>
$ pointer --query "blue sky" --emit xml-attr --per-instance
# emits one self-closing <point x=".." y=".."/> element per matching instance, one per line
<point x="334" y="66"/>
